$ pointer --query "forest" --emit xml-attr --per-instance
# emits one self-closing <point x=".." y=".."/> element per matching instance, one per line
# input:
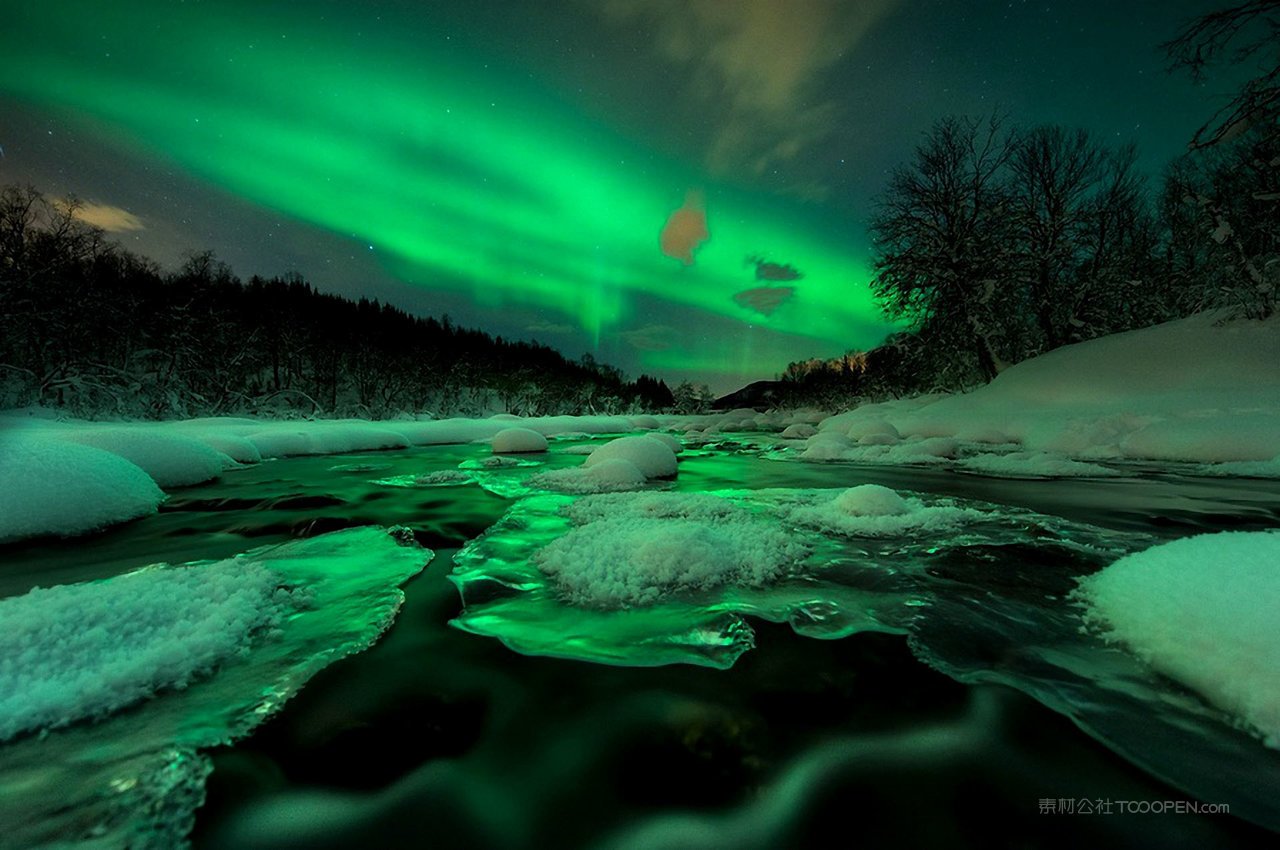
<point x="92" y="329"/>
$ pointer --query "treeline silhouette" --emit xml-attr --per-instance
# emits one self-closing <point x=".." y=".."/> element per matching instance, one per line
<point x="90" y="328"/>
<point x="996" y="244"/>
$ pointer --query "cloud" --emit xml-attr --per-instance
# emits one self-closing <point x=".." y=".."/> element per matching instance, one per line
<point x="685" y="230"/>
<point x="650" y="337"/>
<point x="756" y="64"/>
<point x="549" y="328"/>
<point x="109" y="218"/>
<point x="765" y="299"/>
<point x="766" y="270"/>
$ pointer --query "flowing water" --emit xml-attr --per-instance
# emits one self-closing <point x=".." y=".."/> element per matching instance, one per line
<point x="917" y="688"/>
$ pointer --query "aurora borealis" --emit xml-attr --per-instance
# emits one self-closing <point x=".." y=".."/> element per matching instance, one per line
<point x="473" y="159"/>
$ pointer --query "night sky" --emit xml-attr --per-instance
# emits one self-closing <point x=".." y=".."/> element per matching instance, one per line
<point x="513" y="163"/>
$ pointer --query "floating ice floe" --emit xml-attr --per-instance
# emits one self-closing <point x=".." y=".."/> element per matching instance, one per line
<point x="870" y="510"/>
<point x="199" y="654"/>
<point x="660" y="577"/>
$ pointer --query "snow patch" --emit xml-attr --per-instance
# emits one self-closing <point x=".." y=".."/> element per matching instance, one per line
<point x="1201" y="610"/>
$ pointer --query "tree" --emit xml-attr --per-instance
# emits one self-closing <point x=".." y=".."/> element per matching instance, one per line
<point x="1232" y="191"/>
<point x="1053" y="173"/>
<point x="1236" y="33"/>
<point x="941" y="231"/>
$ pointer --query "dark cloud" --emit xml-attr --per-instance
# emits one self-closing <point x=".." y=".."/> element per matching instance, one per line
<point x="765" y="299"/>
<point x="766" y="270"/>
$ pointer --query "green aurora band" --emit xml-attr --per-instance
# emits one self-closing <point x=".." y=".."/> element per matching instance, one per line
<point x="463" y="175"/>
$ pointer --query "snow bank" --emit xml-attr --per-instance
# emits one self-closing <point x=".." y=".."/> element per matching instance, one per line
<point x="52" y="487"/>
<point x="651" y="456"/>
<point x="630" y="550"/>
<point x="68" y="485"/>
<point x="518" y="440"/>
<point x="1201" y="610"/>
<point x="870" y="510"/>
<point x="1197" y="389"/>
<point x="172" y="460"/>
<point x="86" y="650"/>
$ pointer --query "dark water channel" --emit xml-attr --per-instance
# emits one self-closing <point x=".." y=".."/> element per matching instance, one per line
<point x="440" y="738"/>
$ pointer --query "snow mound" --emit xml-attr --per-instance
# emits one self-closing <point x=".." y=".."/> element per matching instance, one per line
<point x="281" y="442"/>
<point x="1201" y="610"/>
<point x="607" y="476"/>
<point x="52" y="487"/>
<point x="343" y="436"/>
<point x="239" y="449"/>
<point x="669" y="441"/>
<point x="871" y="500"/>
<point x="872" y="427"/>
<point x="85" y="650"/>
<point x="652" y="457"/>
<point x="518" y="440"/>
<point x="870" y="510"/>
<point x="799" y="431"/>
<point x="627" y="557"/>
<point x="172" y="460"/>
<point x="1034" y="465"/>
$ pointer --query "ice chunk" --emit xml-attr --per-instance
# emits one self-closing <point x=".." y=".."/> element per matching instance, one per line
<point x="86" y="650"/>
<point x="53" y="487"/>
<point x="1201" y="610"/>
<point x="518" y="440"/>
<point x="134" y="778"/>
<point x="637" y="560"/>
